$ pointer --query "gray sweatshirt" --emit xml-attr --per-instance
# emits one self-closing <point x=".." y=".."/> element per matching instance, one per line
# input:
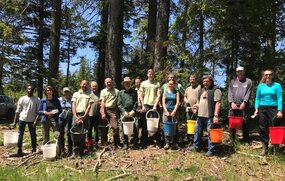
<point x="239" y="90"/>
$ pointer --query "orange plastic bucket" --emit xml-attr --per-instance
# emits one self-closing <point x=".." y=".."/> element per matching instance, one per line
<point x="216" y="133"/>
<point x="277" y="134"/>
<point x="235" y="122"/>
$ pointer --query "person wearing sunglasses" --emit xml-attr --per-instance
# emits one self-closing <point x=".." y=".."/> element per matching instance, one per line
<point x="268" y="106"/>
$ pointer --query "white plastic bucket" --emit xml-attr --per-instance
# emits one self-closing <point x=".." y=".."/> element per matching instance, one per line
<point x="10" y="138"/>
<point x="128" y="127"/>
<point x="152" y="123"/>
<point x="49" y="151"/>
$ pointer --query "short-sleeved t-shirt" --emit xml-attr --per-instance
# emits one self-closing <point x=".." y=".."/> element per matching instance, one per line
<point x="203" y="103"/>
<point x="110" y="97"/>
<point x="192" y="94"/>
<point x="28" y="108"/>
<point x="82" y="100"/>
<point x="94" y="110"/>
<point x="149" y="90"/>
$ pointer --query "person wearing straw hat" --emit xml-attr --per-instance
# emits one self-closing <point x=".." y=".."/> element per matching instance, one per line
<point x="26" y="113"/>
<point x="128" y="104"/>
<point x="65" y="118"/>
<point x="208" y="113"/>
<point x="109" y="108"/>
<point x="82" y="101"/>
<point x="268" y="106"/>
<point x="238" y="96"/>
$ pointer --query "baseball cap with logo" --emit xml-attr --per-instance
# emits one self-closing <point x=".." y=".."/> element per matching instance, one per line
<point x="239" y="68"/>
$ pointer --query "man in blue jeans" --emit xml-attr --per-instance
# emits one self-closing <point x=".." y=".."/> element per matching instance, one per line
<point x="208" y="111"/>
<point x="27" y="109"/>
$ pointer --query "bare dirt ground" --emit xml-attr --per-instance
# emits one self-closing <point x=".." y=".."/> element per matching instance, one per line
<point x="159" y="164"/>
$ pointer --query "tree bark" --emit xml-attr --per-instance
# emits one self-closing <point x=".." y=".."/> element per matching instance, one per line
<point x="40" y="50"/>
<point x="200" y="66"/>
<point x="151" y="28"/>
<point x="113" y="65"/>
<point x="102" y="45"/>
<point x="54" y="44"/>
<point x="161" y="33"/>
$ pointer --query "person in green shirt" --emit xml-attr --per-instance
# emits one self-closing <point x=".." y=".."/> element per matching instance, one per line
<point x="127" y="104"/>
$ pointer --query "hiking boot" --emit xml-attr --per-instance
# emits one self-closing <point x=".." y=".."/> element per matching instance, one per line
<point x="167" y="146"/>
<point x="264" y="149"/>
<point x="174" y="146"/>
<point x="20" y="153"/>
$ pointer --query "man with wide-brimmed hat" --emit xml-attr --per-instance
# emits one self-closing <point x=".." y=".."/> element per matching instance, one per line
<point x="128" y="104"/>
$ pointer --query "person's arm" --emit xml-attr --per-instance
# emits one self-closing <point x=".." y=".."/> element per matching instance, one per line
<point x="158" y="94"/>
<point x="141" y="94"/>
<point x="135" y="106"/>
<point x="120" y="104"/>
<point x="86" y="113"/>
<point x="164" y="105"/>
<point x="231" y="98"/>
<point x="257" y="100"/>
<point x="176" y="105"/>
<point x="279" y="101"/>
<point x="217" y="99"/>
<point x="217" y="111"/>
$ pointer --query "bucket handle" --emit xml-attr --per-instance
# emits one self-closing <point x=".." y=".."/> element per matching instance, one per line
<point x="152" y="111"/>
<point x="213" y="126"/>
<point x="49" y="142"/>
<point x="243" y="113"/>
<point x="122" y="118"/>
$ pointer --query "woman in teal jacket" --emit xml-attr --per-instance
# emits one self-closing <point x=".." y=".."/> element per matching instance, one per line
<point x="268" y="106"/>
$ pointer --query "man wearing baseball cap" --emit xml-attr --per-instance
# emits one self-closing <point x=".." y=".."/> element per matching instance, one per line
<point x="238" y="96"/>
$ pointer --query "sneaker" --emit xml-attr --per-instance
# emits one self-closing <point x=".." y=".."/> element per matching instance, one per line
<point x="167" y="146"/>
<point x="192" y="149"/>
<point x="209" y="154"/>
<point x="125" y="147"/>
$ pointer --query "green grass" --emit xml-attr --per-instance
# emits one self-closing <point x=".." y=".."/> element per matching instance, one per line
<point x="151" y="165"/>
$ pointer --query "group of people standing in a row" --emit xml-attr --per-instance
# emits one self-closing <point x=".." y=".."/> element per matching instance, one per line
<point x="93" y="109"/>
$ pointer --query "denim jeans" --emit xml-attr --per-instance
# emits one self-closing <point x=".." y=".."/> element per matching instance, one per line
<point x="201" y="124"/>
<point x="65" y="126"/>
<point x="32" y="130"/>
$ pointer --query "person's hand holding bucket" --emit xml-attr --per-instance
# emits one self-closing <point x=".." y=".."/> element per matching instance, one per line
<point x="78" y="120"/>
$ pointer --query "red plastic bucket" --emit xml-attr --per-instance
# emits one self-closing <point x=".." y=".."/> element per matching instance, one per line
<point x="235" y="122"/>
<point x="277" y="134"/>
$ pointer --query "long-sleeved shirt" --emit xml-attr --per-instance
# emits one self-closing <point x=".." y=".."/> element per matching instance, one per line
<point x="239" y="90"/>
<point x="128" y="100"/>
<point x="269" y="95"/>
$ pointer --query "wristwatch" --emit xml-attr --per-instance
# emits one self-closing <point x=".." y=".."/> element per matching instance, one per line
<point x="216" y="116"/>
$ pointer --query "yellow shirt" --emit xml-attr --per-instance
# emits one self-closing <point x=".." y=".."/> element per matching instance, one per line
<point x="82" y="100"/>
<point x="149" y="90"/>
<point x="110" y="97"/>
